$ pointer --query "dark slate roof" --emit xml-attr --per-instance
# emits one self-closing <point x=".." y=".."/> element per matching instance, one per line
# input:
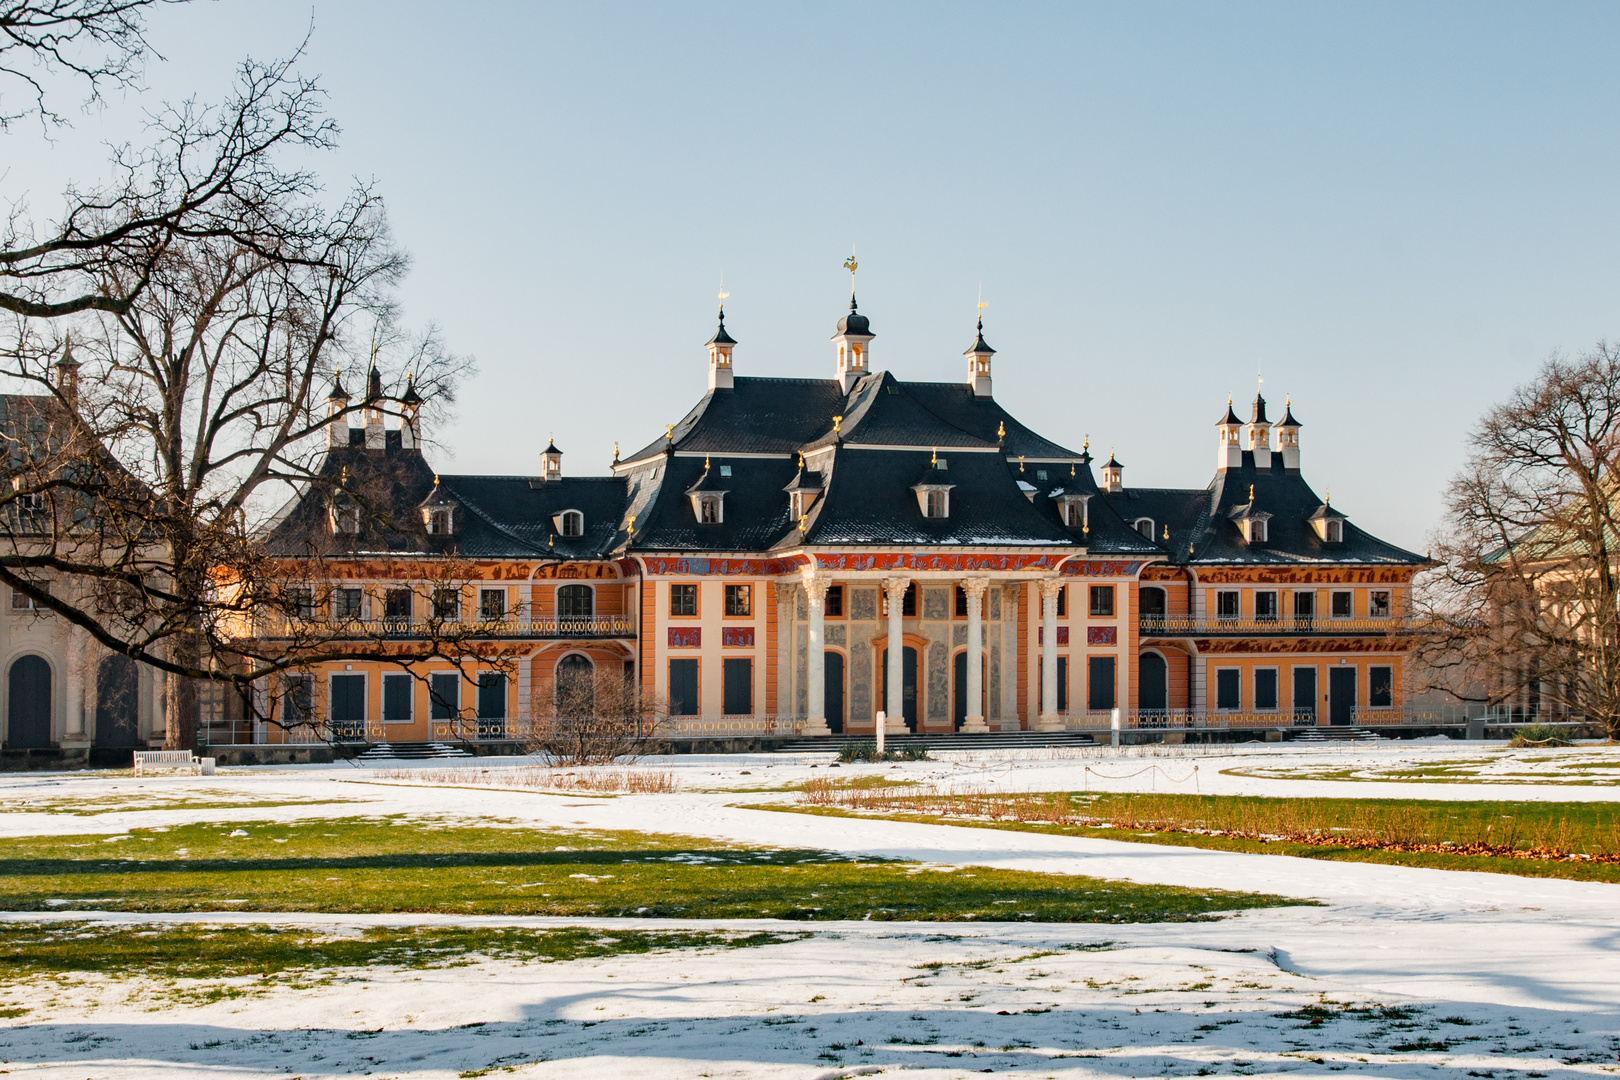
<point x="882" y="411"/>
<point x="1288" y="416"/>
<point x="720" y="335"/>
<point x="855" y="322"/>
<point x="1259" y="416"/>
<point x="757" y="416"/>
<point x="388" y="486"/>
<point x="982" y="417"/>
<point x="979" y="348"/>
<point x="338" y="393"/>
<point x="1202" y="530"/>
<point x="806" y="480"/>
<point x="512" y="516"/>
<point x="754" y="513"/>
<point x="1230" y="417"/>
<point x="869" y="501"/>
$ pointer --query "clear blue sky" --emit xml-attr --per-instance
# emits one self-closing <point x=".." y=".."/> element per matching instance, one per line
<point x="1396" y="209"/>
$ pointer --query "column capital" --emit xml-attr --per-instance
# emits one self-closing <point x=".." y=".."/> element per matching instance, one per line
<point x="815" y="587"/>
<point x="896" y="587"/>
<point x="1050" y="586"/>
<point x="976" y="587"/>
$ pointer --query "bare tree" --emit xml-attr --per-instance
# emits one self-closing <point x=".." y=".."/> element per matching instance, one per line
<point x="1526" y="602"/>
<point x="594" y="717"/>
<point x="99" y="43"/>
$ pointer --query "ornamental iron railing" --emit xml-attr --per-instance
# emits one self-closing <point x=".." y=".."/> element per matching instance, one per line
<point x="1218" y="625"/>
<point x="615" y="626"/>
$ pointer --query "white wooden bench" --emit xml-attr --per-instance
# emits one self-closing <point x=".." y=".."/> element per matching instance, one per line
<point x="166" y="759"/>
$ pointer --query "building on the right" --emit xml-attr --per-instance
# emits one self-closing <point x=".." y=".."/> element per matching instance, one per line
<point x="1269" y="601"/>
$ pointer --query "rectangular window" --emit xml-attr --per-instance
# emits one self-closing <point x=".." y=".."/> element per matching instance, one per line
<point x="491" y="695"/>
<point x="397" y="605"/>
<point x="961" y="602"/>
<point x="1265" y="606"/>
<point x="908" y="606"/>
<point x="348" y="699"/>
<point x="397" y="692"/>
<point x="1099" y="683"/>
<point x="1381" y="687"/>
<point x="22" y="602"/>
<point x="833" y="608"/>
<point x="1063" y="602"/>
<point x="1304" y="606"/>
<point x="1265" y="690"/>
<point x="1343" y="605"/>
<point x="1378" y="605"/>
<point x="738" y="688"/>
<point x="1228" y="689"/>
<point x="302" y="602"/>
<point x="937" y="504"/>
<point x="491" y="605"/>
<point x="683" y="688"/>
<point x="683" y="599"/>
<point x="1063" y="684"/>
<point x="1102" y="601"/>
<point x="346" y="604"/>
<point x="297" y="699"/>
<point x="447" y="605"/>
<point x="1226" y="604"/>
<point x="739" y="599"/>
<point x="444" y="695"/>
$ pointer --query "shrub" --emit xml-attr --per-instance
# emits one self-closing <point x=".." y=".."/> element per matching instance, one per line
<point x="1538" y="735"/>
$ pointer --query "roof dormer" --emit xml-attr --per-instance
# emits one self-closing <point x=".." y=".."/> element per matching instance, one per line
<point x="1328" y="523"/>
<point x="708" y="495"/>
<point x="1254" y="522"/>
<point x="803" y="491"/>
<point x="933" y="491"/>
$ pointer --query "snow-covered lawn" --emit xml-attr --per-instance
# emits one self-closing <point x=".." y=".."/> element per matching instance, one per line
<point x="1404" y="971"/>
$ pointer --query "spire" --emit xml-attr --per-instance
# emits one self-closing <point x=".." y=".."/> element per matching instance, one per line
<point x="720" y="347"/>
<point x="979" y="354"/>
<point x="854" y="337"/>
<point x="337" y="393"/>
<point x="374" y="390"/>
<point x="1288" y="438"/>
<point x="410" y="432"/>
<point x="67" y="372"/>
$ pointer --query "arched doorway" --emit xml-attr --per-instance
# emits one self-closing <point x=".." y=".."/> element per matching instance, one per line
<point x="908" y="685"/>
<point x="1153" y="679"/>
<point x="576" y="685"/>
<point x="117" y="711"/>
<point x="28" y="716"/>
<point x="959" y="685"/>
<point x="832" y="668"/>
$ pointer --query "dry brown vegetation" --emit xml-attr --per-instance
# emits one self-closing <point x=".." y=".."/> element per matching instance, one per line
<point x="1520" y="831"/>
<point x="603" y="781"/>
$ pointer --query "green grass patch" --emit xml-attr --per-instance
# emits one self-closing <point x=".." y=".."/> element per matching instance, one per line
<point x="250" y="955"/>
<point x="114" y="804"/>
<point x="413" y="865"/>
<point x="1277" y="826"/>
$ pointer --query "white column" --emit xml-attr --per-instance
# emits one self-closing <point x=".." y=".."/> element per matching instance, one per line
<point x="896" y="590"/>
<point x="815" y="675"/>
<point x="75" y="681"/>
<point x="160" y="716"/>
<point x="975" y="588"/>
<point x="1049" y="719"/>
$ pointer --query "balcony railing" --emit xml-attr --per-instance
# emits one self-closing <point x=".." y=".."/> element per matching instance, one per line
<point x="1260" y="625"/>
<point x="616" y="626"/>
<point x="1241" y="719"/>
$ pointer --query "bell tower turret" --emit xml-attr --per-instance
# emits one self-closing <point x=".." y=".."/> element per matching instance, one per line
<point x="1257" y="434"/>
<point x="720" y="347"/>
<point x="1288" y="438"/>
<point x="1228" y="450"/>
<point x="854" y="338"/>
<point x="979" y="355"/>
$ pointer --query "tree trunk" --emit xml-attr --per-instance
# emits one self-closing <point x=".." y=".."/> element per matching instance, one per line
<point x="180" y="702"/>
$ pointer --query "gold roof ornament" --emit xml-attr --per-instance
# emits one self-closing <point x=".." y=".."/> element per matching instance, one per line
<point x="801" y="459"/>
<point x="1001" y="430"/>
<point x="802" y="525"/>
<point x="615" y="449"/>
<point x="705" y="462"/>
<point x="1251" y="494"/>
<point x="837" y="420"/>
<point x="1020" y="462"/>
<point x="669" y="432"/>
<point x="1167" y="532"/>
<point x="934" y="461"/>
<point x="851" y="265"/>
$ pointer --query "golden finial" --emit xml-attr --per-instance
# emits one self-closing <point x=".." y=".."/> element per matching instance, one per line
<point x="1085" y="447"/>
<point x="1085" y="527"/>
<point x="669" y="432"/>
<point x="934" y="461"/>
<point x="343" y="477"/>
<point x="801" y="459"/>
<point x="837" y="420"/>
<point x="1167" y="532"/>
<point x="631" y="528"/>
<point x="1251" y="493"/>
<point x="1001" y="430"/>
<point x="723" y="293"/>
<point x="705" y="462"/>
<point x="802" y="519"/>
<point x="851" y="265"/>
<point x="1071" y="469"/>
<point x="615" y="449"/>
<point x="553" y="540"/>
<point x="1328" y="497"/>
<point x="982" y="306"/>
<point x="1020" y="462"/>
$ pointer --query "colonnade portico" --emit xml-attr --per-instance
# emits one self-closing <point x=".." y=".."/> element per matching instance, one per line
<point x="895" y="588"/>
<point x="975" y="588"/>
<point x="1049" y="718"/>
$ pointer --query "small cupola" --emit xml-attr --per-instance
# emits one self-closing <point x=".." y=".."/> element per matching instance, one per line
<point x="438" y="512"/>
<point x="1254" y="522"/>
<point x="805" y="488"/>
<point x="337" y="410"/>
<point x="720" y="347"/>
<point x="979" y="354"/>
<point x="1257" y="434"/>
<point x="1288" y="438"/>
<point x="708" y="495"/>
<point x="854" y="339"/>
<point x="376" y="439"/>
<point x="551" y="461"/>
<point x="67" y="373"/>
<point x="1327" y="522"/>
<point x="1113" y="475"/>
<point x="933" y="491"/>
<point x="1229" y="446"/>
<point x="410" y="431"/>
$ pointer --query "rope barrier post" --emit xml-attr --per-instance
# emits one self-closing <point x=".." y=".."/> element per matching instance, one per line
<point x="1113" y="726"/>
<point x="882" y="722"/>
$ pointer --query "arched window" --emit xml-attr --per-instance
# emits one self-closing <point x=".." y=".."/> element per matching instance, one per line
<point x="575" y="685"/>
<point x="571" y="523"/>
<point x="1335" y="532"/>
<point x="1145" y="527"/>
<point x="574" y="602"/>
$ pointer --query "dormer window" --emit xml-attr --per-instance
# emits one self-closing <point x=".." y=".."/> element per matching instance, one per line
<point x="936" y="503"/>
<point x="1145" y="527"/>
<point x="1334" y="532"/>
<point x="1254" y="530"/>
<point x="709" y="509"/>
<point x="345" y="516"/>
<point x="570" y="523"/>
<point x="440" y="521"/>
<point x="800" y="503"/>
<point x="1072" y="509"/>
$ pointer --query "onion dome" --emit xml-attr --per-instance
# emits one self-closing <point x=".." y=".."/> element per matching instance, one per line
<point x="855" y="322"/>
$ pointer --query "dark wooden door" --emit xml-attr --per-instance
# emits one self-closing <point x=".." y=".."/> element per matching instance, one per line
<point x="117" y="711"/>
<point x="832" y="668"/>
<point x="28" y="717"/>
<point x="1341" y="694"/>
<point x="1154" y="690"/>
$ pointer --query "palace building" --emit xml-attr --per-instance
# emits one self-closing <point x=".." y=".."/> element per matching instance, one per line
<point x="797" y="556"/>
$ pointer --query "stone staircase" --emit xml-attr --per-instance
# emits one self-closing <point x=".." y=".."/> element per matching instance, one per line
<point x="1334" y="734"/>
<point x="410" y="751"/>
